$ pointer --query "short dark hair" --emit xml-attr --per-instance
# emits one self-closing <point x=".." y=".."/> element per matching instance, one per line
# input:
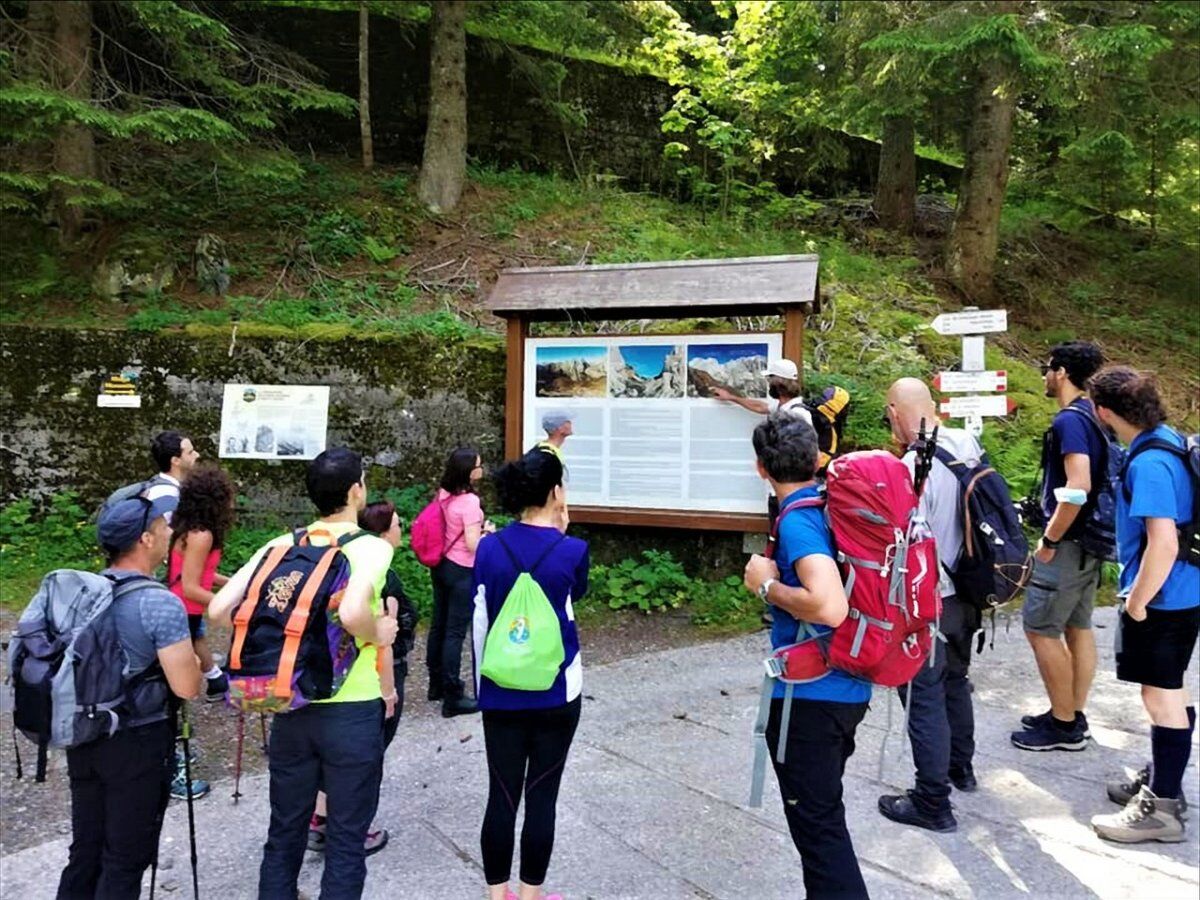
<point x="330" y="477"/>
<point x="787" y="448"/>
<point x="165" y="447"/>
<point x="1081" y="359"/>
<point x="377" y="517"/>
<point x="1130" y="394"/>
<point x="528" y="481"/>
<point x="456" y="478"/>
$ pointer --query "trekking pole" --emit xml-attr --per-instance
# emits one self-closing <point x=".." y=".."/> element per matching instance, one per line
<point x="262" y="721"/>
<point x="186" y="733"/>
<point x="237" y="769"/>
<point x="925" y="447"/>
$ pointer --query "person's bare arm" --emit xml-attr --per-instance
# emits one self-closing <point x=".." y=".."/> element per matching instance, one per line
<point x="472" y="535"/>
<point x="220" y="609"/>
<point x="182" y="669"/>
<point x="357" y="617"/>
<point x="823" y="598"/>
<point x="195" y="555"/>
<point x="755" y="406"/>
<point x="1162" y="547"/>
<point x="1079" y="475"/>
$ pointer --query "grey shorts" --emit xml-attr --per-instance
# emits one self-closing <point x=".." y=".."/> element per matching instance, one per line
<point x="1061" y="593"/>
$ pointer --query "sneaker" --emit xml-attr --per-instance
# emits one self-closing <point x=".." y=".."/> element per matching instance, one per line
<point x="216" y="688"/>
<point x="964" y="779"/>
<point x="1045" y="718"/>
<point x="376" y="840"/>
<point x="460" y="706"/>
<point x="179" y="790"/>
<point x="901" y="808"/>
<point x="316" y="833"/>
<point x="1050" y="737"/>
<point x="1121" y="792"/>
<point x="194" y="756"/>
<point x="1144" y="818"/>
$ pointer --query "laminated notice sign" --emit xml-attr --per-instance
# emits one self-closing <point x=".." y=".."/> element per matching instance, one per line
<point x="648" y="429"/>
<point x="120" y="391"/>
<point x="273" y="421"/>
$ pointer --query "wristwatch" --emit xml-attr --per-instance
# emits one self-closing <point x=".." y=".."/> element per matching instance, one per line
<point x="1049" y="544"/>
<point x="764" y="589"/>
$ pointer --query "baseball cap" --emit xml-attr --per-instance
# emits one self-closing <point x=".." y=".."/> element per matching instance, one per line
<point x="783" y="368"/>
<point x="123" y="523"/>
<point x="555" y="419"/>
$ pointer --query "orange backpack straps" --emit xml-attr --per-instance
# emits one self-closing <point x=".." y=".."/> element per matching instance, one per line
<point x="297" y="621"/>
<point x="241" y="621"/>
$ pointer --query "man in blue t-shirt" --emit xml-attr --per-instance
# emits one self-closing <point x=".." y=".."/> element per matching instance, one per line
<point x="1157" y="629"/>
<point x="1057" y="613"/>
<point x="803" y="585"/>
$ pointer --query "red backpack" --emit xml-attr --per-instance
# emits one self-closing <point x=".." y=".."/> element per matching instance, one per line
<point x="427" y="536"/>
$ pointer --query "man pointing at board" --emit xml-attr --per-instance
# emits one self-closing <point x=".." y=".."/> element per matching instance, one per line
<point x="783" y="386"/>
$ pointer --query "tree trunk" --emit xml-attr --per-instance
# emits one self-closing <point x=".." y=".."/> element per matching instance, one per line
<point x="972" y="256"/>
<point x="364" y="85"/>
<point x="71" y="72"/>
<point x="896" y="191"/>
<point x="444" y="160"/>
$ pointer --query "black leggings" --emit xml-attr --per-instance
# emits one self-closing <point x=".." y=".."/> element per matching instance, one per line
<point x="526" y="750"/>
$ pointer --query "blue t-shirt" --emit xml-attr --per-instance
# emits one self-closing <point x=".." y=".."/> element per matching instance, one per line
<point x="1070" y="432"/>
<point x="562" y="574"/>
<point x="1159" y="488"/>
<point x="803" y="532"/>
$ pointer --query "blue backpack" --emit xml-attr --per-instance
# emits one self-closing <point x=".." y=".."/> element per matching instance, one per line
<point x="1099" y="513"/>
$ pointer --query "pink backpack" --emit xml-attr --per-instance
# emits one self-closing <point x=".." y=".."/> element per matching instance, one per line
<point x="427" y="536"/>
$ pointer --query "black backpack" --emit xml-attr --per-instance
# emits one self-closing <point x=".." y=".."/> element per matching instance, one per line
<point x="994" y="563"/>
<point x="1189" y="532"/>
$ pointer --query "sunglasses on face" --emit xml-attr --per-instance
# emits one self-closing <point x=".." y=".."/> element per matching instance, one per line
<point x="1045" y="367"/>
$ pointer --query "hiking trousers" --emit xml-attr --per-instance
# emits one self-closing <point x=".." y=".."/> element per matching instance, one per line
<point x="120" y="787"/>
<point x="820" y="739"/>
<point x="941" y="720"/>
<point x="452" y="611"/>
<point x="526" y="752"/>
<point x="337" y="748"/>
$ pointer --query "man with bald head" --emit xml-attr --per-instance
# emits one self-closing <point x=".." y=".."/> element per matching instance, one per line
<point x="941" y="723"/>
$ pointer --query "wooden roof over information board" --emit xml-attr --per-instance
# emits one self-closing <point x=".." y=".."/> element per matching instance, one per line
<point x="755" y="285"/>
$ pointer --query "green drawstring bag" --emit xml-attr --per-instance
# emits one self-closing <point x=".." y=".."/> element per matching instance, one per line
<point x="524" y="647"/>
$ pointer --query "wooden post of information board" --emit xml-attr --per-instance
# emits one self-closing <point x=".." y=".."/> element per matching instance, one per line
<point x="514" y="425"/>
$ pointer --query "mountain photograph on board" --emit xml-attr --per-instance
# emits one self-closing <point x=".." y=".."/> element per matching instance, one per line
<point x="648" y="371"/>
<point x="739" y="368"/>
<point x="571" y="371"/>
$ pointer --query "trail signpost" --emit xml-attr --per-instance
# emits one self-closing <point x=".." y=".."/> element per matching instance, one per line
<point x="972" y="377"/>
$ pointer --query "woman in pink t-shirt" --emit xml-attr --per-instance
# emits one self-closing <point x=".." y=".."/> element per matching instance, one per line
<point x="465" y="525"/>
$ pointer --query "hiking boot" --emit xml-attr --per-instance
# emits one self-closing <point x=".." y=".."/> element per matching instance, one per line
<point x="436" y="692"/>
<point x="1047" y="717"/>
<point x="376" y="841"/>
<point x="901" y="808"/>
<point x="459" y="706"/>
<point x="964" y="779"/>
<point x="1121" y="792"/>
<point x="316" y="833"/>
<point x="216" y="688"/>
<point x="1050" y="737"/>
<point x="179" y="791"/>
<point x="1144" y="818"/>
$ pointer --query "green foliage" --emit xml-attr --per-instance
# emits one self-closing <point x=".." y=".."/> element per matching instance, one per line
<point x="37" y="539"/>
<point x="336" y="235"/>
<point x="655" y="581"/>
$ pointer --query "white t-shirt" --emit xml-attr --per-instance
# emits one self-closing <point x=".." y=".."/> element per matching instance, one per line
<point x="794" y="408"/>
<point x="167" y="486"/>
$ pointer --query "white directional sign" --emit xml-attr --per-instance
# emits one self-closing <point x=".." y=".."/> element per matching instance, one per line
<point x="976" y="405"/>
<point x="970" y="382"/>
<point x="973" y="321"/>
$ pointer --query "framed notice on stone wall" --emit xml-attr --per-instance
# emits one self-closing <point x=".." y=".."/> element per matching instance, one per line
<point x="648" y="432"/>
<point x="273" y="421"/>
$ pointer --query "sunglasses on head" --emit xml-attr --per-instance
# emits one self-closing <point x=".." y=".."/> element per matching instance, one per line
<point x="1046" y="367"/>
<point x="147" y="506"/>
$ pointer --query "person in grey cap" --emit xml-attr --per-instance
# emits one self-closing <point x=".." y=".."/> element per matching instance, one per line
<point x="120" y="784"/>
<point x="558" y="427"/>
<point x="783" y="387"/>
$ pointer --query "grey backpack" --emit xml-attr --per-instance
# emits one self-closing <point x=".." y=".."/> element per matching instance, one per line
<point x="69" y="669"/>
<point x="136" y="489"/>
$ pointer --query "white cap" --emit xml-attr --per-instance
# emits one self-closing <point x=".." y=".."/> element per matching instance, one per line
<point x="783" y="368"/>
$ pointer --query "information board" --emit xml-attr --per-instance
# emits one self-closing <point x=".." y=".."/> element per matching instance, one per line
<point x="273" y="421"/>
<point x="648" y="432"/>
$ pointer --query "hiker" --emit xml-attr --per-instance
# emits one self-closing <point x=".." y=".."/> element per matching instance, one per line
<point x="1160" y="585"/>
<point x="783" y="388"/>
<point x="941" y="723"/>
<point x="1057" y="612"/>
<point x="175" y="457"/>
<point x="803" y="585"/>
<point x="120" y="784"/>
<point x="381" y="519"/>
<point x="198" y="529"/>
<point x="529" y="722"/>
<point x="558" y="425"/>
<point x="336" y="743"/>
<point x="465" y="524"/>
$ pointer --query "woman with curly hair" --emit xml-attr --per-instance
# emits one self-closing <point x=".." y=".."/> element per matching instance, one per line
<point x="199" y="526"/>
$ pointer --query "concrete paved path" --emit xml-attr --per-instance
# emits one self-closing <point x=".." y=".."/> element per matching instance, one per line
<point x="652" y="802"/>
